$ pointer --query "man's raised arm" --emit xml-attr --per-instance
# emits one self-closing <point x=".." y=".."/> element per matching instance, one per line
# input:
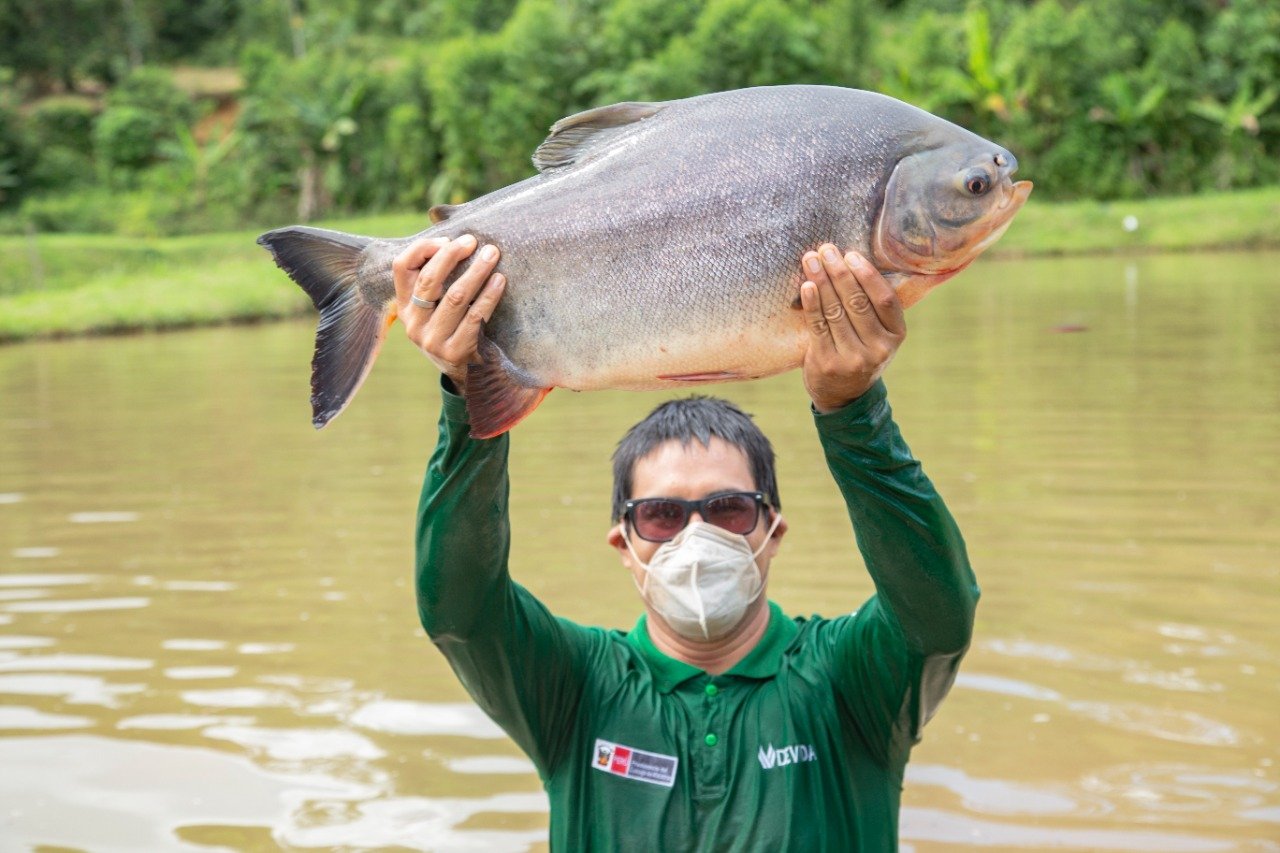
<point x="520" y="663"/>
<point x="897" y="657"/>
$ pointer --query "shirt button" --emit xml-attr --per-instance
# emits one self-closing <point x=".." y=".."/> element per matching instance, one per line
<point x="711" y="740"/>
<point x="712" y="690"/>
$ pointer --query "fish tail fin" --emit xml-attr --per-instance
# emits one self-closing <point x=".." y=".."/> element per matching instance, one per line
<point x="326" y="264"/>
<point x="499" y="394"/>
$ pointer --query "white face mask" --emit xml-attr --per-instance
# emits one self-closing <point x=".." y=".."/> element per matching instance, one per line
<point x="702" y="581"/>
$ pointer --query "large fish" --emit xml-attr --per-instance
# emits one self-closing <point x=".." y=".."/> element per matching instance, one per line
<point x="659" y="245"/>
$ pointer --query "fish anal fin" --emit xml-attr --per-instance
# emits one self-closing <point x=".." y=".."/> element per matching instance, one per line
<point x="713" y="376"/>
<point x="441" y="212"/>
<point x="498" y="396"/>
<point x="573" y="137"/>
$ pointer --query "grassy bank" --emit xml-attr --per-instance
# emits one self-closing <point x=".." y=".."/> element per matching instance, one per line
<point x="67" y="284"/>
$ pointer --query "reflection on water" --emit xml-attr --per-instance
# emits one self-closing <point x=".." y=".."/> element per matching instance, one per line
<point x="19" y="717"/>
<point x="426" y="718"/>
<point x="207" y="633"/>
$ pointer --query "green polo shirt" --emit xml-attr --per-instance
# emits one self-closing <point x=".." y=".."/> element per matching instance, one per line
<point x="801" y="746"/>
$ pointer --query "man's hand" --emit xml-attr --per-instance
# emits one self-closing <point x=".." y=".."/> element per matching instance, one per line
<point x="856" y="325"/>
<point x="447" y="329"/>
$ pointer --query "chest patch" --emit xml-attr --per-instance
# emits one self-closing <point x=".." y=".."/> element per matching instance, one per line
<point x="632" y="763"/>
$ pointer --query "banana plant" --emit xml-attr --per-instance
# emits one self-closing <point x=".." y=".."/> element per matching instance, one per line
<point x="1238" y="125"/>
<point x="1241" y="114"/>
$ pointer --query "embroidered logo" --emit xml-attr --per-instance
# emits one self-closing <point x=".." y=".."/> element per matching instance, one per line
<point x="619" y="760"/>
<point x="794" y="754"/>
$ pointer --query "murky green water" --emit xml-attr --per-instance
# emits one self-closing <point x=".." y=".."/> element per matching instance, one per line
<point x="207" y="635"/>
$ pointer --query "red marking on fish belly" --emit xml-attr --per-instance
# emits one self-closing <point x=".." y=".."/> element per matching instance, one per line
<point x="721" y="376"/>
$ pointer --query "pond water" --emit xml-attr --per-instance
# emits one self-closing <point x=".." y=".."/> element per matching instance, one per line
<point x="208" y="638"/>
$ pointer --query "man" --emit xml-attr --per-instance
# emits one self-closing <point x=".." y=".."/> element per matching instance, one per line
<point x="717" y="723"/>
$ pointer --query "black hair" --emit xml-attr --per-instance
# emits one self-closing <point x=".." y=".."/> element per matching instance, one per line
<point x="683" y="421"/>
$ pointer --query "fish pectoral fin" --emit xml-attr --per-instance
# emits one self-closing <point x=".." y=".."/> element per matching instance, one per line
<point x="715" y="376"/>
<point x="499" y="394"/>
<point x="573" y="137"/>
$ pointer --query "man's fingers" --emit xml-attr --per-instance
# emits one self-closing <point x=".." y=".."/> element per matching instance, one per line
<point x="407" y="264"/>
<point x="430" y="284"/>
<point x="884" y="299"/>
<point x="466" y="337"/>
<point x="820" y="269"/>
<point x="455" y="301"/>
<point x="862" y="314"/>
<point x="819" y="329"/>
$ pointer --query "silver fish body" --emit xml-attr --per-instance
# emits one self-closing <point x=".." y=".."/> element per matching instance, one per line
<point x="660" y="243"/>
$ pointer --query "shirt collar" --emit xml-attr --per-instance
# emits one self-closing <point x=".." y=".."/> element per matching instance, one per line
<point x="763" y="661"/>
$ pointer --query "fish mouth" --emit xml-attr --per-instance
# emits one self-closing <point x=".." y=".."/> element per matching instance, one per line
<point x="1015" y="196"/>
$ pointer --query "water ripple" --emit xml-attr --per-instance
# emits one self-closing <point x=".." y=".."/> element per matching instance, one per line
<point x="107" y="517"/>
<point x="22" y="594"/>
<point x="411" y="822"/>
<point x="200" y="586"/>
<point x="192" y="645"/>
<point x="21" y="642"/>
<point x="19" y="717"/>
<point x="63" y="663"/>
<point x="265" y="648"/>
<point x="954" y="830"/>
<point x="1181" y="790"/>
<point x="35" y="552"/>
<point x="997" y="796"/>
<point x="426" y="718"/>
<point x="1163" y="723"/>
<point x="45" y="580"/>
<point x="77" y="605"/>
<point x="1006" y="686"/>
<point x="187" y="673"/>
<point x="298" y="744"/>
<point x="67" y="790"/>
<point x="178" y="722"/>
<point x="491" y="764"/>
<point x="240" y="697"/>
<point x="74" y="689"/>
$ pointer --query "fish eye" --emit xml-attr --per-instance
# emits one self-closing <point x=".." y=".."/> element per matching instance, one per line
<point x="977" y="183"/>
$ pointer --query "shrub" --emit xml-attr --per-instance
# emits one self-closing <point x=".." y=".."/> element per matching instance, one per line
<point x="141" y="114"/>
<point x="65" y="121"/>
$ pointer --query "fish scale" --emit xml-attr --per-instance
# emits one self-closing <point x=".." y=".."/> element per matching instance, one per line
<point x="659" y="245"/>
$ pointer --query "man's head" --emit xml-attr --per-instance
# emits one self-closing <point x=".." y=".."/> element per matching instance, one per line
<point x="690" y="450"/>
<point x="687" y="420"/>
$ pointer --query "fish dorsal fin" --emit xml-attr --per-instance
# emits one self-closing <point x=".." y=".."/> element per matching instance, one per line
<point x="574" y="137"/>
<point x="441" y="212"/>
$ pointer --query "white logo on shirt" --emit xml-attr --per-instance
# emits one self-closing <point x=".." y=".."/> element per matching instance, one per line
<point x="794" y="754"/>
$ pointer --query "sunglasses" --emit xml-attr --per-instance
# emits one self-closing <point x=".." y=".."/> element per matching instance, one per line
<point x="660" y="519"/>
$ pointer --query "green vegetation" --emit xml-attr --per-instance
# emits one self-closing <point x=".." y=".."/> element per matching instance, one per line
<point x="161" y="117"/>
<point x="143" y="143"/>
<point x="66" y="284"/>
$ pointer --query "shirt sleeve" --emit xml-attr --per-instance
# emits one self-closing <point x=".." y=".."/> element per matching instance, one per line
<point x="523" y="666"/>
<point x="896" y="658"/>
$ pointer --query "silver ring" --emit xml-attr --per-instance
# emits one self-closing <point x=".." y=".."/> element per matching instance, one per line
<point x="424" y="303"/>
